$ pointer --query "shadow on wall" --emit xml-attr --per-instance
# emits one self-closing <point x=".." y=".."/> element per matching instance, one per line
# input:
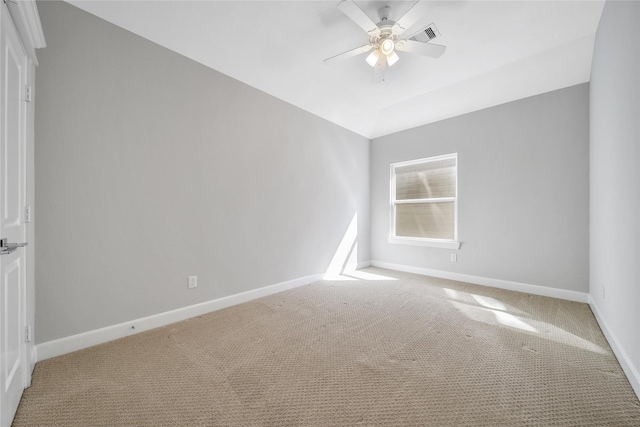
<point x="344" y="264"/>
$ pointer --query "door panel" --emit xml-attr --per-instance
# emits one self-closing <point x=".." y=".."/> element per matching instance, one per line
<point x="13" y="365"/>
<point x="12" y="132"/>
<point x="11" y="345"/>
<point x="11" y="141"/>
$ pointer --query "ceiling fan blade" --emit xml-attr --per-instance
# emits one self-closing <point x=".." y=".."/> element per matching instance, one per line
<point x="348" y="54"/>
<point x="427" y="49"/>
<point x="349" y="8"/>
<point x="410" y="20"/>
<point x="378" y="70"/>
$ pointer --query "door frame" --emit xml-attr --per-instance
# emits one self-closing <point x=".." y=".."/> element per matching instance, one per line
<point x="14" y="353"/>
<point x="26" y="19"/>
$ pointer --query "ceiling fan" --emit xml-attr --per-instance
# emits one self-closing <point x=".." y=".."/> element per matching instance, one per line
<point x="385" y="37"/>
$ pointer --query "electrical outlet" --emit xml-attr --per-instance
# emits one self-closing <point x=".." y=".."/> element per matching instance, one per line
<point x="193" y="282"/>
<point x="602" y="291"/>
<point x="454" y="257"/>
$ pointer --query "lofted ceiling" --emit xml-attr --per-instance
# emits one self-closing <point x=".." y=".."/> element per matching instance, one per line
<point x="497" y="51"/>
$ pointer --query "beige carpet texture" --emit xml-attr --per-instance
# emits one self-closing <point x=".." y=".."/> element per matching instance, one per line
<point x="394" y="350"/>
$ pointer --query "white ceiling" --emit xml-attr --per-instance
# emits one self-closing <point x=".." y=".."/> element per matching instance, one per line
<point x="497" y="51"/>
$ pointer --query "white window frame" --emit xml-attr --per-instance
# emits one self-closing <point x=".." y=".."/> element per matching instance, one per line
<point x="421" y="241"/>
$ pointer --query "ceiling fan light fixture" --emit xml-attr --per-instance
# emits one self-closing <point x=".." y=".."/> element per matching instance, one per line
<point x="392" y="58"/>
<point x="387" y="46"/>
<point x="373" y="57"/>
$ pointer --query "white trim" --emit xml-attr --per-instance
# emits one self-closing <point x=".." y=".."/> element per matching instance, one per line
<point x="27" y="20"/>
<point x="446" y="244"/>
<point x="363" y="264"/>
<point x="66" y="345"/>
<point x="33" y="359"/>
<point x="433" y="200"/>
<point x="426" y="160"/>
<point x="623" y="358"/>
<point x="485" y="281"/>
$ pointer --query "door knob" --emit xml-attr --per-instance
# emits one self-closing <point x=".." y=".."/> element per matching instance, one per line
<point x="7" y="248"/>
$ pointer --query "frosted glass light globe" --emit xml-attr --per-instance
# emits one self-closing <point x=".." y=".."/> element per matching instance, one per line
<point x="387" y="46"/>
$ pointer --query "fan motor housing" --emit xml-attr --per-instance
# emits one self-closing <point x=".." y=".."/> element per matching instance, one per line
<point x="386" y="32"/>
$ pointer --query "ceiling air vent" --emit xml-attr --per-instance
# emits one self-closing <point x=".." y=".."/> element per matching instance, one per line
<point x="429" y="33"/>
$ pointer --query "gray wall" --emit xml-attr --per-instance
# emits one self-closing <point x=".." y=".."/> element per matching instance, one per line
<point x="615" y="176"/>
<point x="151" y="167"/>
<point x="523" y="191"/>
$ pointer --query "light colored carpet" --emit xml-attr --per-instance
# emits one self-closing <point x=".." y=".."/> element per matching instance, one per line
<point x="414" y="351"/>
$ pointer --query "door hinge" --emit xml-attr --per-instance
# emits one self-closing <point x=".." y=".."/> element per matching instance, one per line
<point x="28" y="93"/>
<point x="27" y="214"/>
<point x="27" y="333"/>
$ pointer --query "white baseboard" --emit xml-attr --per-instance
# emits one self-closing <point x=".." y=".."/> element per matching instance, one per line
<point x="625" y="362"/>
<point x="363" y="264"/>
<point x="485" y="281"/>
<point x="33" y="356"/>
<point x="66" y="345"/>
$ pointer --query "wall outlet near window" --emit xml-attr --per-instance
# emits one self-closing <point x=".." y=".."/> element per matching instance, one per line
<point x="193" y="282"/>
<point x="454" y="257"/>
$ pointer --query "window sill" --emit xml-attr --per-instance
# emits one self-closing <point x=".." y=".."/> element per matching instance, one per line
<point x="445" y="244"/>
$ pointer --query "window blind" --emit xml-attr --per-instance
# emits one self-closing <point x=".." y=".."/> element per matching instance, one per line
<point x="429" y="180"/>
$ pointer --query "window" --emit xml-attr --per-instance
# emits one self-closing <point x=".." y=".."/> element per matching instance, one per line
<point x="424" y="202"/>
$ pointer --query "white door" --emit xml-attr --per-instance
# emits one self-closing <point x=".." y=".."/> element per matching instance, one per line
<point x="13" y="360"/>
